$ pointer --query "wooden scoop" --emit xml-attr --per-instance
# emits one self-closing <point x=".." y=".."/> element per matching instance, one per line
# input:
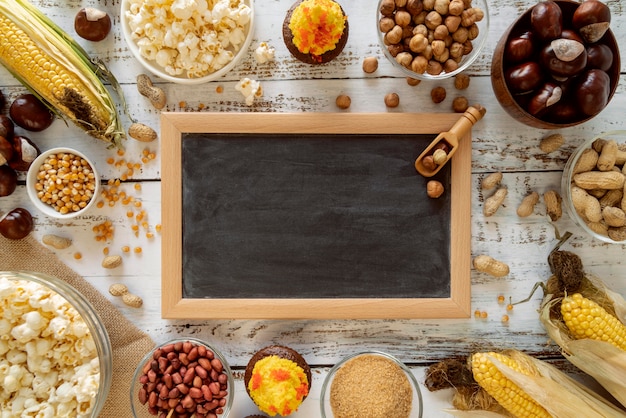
<point x="448" y="141"/>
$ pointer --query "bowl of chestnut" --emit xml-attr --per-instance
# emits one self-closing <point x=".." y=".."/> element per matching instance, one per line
<point x="558" y="64"/>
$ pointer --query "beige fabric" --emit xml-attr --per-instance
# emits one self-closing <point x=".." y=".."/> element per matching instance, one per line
<point x="128" y="342"/>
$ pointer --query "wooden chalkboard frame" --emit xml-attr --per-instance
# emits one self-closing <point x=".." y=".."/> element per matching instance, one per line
<point x="175" y="306"/>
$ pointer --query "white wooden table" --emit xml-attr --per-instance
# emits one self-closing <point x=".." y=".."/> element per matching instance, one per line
<point x="499" y="144"/>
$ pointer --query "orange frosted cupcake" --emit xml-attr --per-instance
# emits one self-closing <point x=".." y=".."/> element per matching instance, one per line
<point x="277" y="380"/>
<point x="315" y="31"/>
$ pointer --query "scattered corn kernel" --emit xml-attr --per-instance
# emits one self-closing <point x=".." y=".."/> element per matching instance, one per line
<point x="500" y="299"/>
<point x="105" y="251"/>
<point x="125" y="249"/>
<point x="137" y="250"/>
<point x="509" y="307"/>
<point x="78" y="255"/>
<point x="477" y="313"/>
<point x="505" y="318"/>
<point x="483" y="314"/>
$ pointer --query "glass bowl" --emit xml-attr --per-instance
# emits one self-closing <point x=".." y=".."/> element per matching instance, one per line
<point x="94" y="384"/>
<point x="356" y="362"/>
<point x="32" y="183"/>
<point x="516" y="104"/>
<point x="148" y="370"/>
<point x="595" y="230"/>
<point x="467" y="59"/>
<point x="150" y="63"/>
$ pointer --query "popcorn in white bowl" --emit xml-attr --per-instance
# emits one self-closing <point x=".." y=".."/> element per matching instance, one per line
<point x="188" y="41"/>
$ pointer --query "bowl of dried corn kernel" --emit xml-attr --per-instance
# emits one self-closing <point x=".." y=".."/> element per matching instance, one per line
<point x="62" y="183"/>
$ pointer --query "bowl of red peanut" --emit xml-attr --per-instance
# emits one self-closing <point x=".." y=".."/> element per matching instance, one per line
<point x="62" y="183"/>
<point x="182" y="377"/>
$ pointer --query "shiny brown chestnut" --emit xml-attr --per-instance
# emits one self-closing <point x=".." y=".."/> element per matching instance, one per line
<point x="546" y="20"/>
<point x="593" y="91"/>
<point x="572" y="34"/>
<point x="563" y="112"/>
<point x="564" y="57"/>
<point x="6" y="127"/>
<point x="548" y="95"/>
<point x="8" y="180"/>
<point x="524" y="77"/>
<point x="16" y="224"/>
<point x="92" y="24"/>
<point x="592" y="19"/>
<point x="24" y="153"/>
<point x="599" y="56"/>
<point x="28" y="112"/>
<point x="519" y="48"/>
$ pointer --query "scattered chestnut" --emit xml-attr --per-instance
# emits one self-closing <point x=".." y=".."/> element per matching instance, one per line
<point x="593" y="91"/>
<point x="6" y="150"/>
<point x="546" y="20"/>
<point x="28" y="112"/>
<point x="599" y="56"/>
<point x="524" y="77"/>
<point x="519" y="48"/>
<point x="24" y="153"/>
<point x="564" y="57"/>
<point x="92" y="24"/>
<point x="6" y="127"/>
<point x="548" y="95"/>
<point x="8" y="180"/>
<point x="592" y="19"/>
<point x="16" y="224"/>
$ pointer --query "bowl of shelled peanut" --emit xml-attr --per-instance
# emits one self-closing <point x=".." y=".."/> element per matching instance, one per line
<point x="62" y="183"/>
<point x="432" y="39"/>
<point x="593" y="187"/>
<point x="182" y="377"/>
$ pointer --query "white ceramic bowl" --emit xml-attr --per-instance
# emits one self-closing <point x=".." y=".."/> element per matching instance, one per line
<point x="89" y="315"/>
<point x="477" y="46"/>
<point x="566" y="182"/>
<point x="31" y="181"/>
<point x="149" y="364"/>
<point x="325" y="396"/>
<point x="156" y="69"/>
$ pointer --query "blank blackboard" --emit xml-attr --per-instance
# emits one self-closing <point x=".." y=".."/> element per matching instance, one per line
<point x="274" y="215"/>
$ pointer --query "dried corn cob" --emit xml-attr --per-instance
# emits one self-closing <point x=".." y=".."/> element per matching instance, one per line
<point x="57" y="70"/>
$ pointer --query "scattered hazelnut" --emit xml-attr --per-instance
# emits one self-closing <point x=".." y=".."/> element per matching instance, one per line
<point x="461" y="81"/>
<point x="413" y="81"/>
<point x="392" y="100"/>
<point x="438" y="94"/>
<point x="460" y="104"/>
<point x="429" y="163"/>
<point x="343" y="101"/>
<point x="92" y="24"/>
<point x="370" y="64"/>
<point x="434" y="189"/>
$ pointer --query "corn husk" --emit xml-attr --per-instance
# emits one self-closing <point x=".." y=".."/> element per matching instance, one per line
<point x="559" y="394"/>
<point x="601" y="360"/>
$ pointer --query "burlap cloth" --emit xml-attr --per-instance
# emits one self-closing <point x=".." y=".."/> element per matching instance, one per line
<point x="128" y="342"/>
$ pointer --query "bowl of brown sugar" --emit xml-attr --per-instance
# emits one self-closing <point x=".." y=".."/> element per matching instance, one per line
<point x="370" y="384"/>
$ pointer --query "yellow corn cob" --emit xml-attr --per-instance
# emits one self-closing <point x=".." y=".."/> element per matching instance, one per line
<point x="507" y="393"/>
<point x="56" y="69"/>
<point x="586" y="319"/>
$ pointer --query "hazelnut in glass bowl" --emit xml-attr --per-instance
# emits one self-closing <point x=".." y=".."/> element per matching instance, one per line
<point x="432" y="39"/>
<point x="552" y="68"/>
<point x="593" y="186"/>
